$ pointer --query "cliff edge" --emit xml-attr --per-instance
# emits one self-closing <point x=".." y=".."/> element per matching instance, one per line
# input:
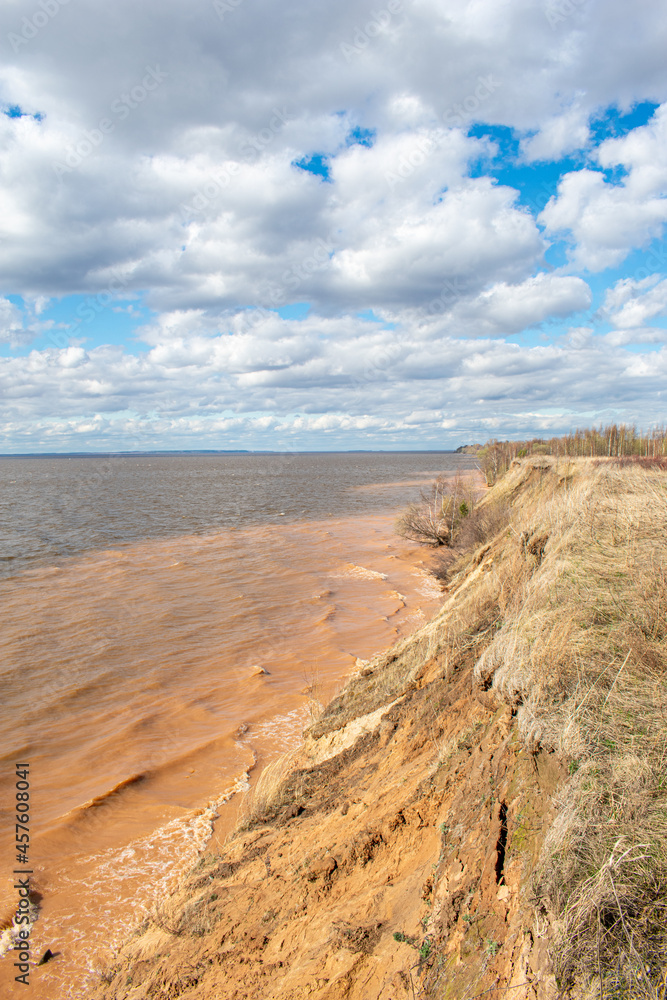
<point x="482" y="811"/>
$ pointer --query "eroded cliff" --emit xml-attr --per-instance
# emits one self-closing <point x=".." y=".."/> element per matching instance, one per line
<point x="469" y="817"/>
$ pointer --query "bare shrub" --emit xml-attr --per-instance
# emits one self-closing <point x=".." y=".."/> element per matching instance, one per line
<point x="426" y="521"/>
<point x="435" y="518"/>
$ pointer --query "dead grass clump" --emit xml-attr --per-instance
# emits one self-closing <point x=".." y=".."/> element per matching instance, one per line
<point x="481" y="524"/>
<point x="583" y="652"/>
<point x="604" y="875"/>
<point x="167" y="919"/>
<point x="644" y="462"/>
<point x="269" y="793"/>
<point x="471" y="628"/>
<point x="196" y="919"/>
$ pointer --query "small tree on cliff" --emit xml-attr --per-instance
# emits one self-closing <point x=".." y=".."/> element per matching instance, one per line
<point x="441" y="507"/>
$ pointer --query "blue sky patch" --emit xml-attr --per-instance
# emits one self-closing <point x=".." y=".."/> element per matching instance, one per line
<point x="639" y="264"/>
<point x="296" y="310"/>
<point x="612" y="123"/>
<point x="370" y="317"/>
<point x="361" y="137"/>
<point x="615" y="175"/>
<point x="535" y="182"/>
<point x="14" y="111"/>
<point x="538" y="182"/>
<point x="316" y="163"/>
<point x="92" y="320"/>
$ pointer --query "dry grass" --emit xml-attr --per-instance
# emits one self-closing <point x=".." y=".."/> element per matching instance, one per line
<point x="582" y="653"/>
<point x="268" y="794"/>
<point x="643" y="462"/>
<point x="483" y="523"/>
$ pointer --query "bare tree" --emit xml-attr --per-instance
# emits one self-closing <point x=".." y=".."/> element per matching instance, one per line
<point x="434" y="518"/>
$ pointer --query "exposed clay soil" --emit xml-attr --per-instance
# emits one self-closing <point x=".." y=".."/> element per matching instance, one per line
<point x="393" y="862"/>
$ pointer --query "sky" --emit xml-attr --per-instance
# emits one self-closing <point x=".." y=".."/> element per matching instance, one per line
<point x="253" y="224"/>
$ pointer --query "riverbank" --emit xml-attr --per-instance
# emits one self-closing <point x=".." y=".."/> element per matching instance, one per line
<point x="156" y="680"/>
<point x="483" y="807"/>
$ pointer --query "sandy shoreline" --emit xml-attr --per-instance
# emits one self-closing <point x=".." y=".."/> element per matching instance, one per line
<point x="374" y="590"/>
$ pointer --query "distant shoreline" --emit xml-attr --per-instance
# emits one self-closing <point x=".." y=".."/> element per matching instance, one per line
<point x="229" y="451"/>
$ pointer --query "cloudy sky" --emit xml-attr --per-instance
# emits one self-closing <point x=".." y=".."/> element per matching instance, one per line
<point x="297" y="225"/>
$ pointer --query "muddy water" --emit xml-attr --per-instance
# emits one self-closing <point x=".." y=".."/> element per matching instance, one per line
<point x="147" y="682"/>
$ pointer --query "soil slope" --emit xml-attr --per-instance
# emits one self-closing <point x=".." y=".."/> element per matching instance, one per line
<point x="405" y="849"/>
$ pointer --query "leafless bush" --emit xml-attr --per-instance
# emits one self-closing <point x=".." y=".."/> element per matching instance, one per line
<point x="435" y="518"/>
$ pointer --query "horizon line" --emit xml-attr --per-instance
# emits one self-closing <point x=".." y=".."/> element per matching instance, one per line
<point x="228" y="451"/>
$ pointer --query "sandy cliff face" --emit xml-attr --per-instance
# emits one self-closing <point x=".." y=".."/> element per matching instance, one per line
<point x="393" y="855"/>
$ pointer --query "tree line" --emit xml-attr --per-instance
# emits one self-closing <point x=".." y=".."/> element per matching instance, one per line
<point x="446" y="513"/>
<point x="612" y="441"/>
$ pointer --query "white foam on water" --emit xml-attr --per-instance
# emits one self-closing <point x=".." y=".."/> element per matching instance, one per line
<point x="284" y="731"/>
<point x="361" y="573"/>
<point x="413" y="621"/>
<point x="10" y="936"/>
<point x="399" y="597"/>
<point x="152" y="865"/>
<point x="429" y="586"/>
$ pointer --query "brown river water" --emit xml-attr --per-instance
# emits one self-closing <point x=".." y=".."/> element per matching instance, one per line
<point x="169" y="625"/>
